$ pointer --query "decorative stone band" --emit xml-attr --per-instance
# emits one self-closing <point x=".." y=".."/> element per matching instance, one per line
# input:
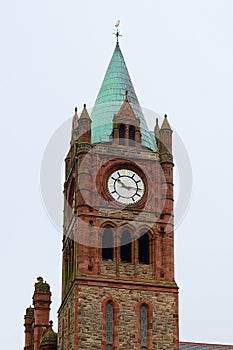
<point x="166" y="158"/>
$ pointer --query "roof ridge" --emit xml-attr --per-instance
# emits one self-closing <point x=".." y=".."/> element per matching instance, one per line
<point x="207" y="344"/>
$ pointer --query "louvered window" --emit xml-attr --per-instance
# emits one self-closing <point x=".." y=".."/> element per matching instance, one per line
<point x="132" y="135"/>
<point x="122" y="134"/>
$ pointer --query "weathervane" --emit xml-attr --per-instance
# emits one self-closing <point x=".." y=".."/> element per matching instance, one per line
<point x="117" y="34"/>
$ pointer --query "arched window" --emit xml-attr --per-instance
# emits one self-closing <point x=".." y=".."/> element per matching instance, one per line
<point x="71" y="197"/>
<point x="143" y="249"/>
<point x="132" y="135"/>
<point x="125" y="247"/>
<point x="110" y="309"/>
<point x="62" y="333"/>
<point x="109" y="325"/>
<point x="71" y="263"/>
<point x="107" y="244"/>
<point x="144" y="327"/>
<point x="122" y="134"/>
<point x="68" y="329"/>
<point x="66" y="253"/>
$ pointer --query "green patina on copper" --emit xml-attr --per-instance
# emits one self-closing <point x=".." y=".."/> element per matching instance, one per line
<point x="110" y="98"/>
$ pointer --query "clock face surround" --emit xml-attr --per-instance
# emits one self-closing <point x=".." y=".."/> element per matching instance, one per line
<point x="125" y="186"/>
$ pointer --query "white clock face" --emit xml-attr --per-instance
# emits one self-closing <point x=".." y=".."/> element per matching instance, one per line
<point x="125" y="186"/>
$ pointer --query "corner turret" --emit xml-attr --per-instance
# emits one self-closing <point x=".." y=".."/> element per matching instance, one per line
<point x="28" y="324"/>
<point x="84" y="125"/>
<point x="41" y="301"/>
<point x="157" y="132"/>
<point x="48" y="338"/>
<point x="166" y="137"/>
<point x="74" y="133"/>
<point x="36" y="319"/>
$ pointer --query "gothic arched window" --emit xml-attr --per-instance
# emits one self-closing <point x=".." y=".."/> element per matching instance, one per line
<point x="109" y="325"/>
<point x="126" y="247"/>
<point x="132" y="135"/>
<point x="110" y="309"/>
<point x="144" y="326"/>
<point x="71" y="197"/>
<point x="67" y="261"/>
<point x="143" y="249"/>
<point x="107" y="245"/>
<point x="122" y="134"/>
<point x="71" y="264"/>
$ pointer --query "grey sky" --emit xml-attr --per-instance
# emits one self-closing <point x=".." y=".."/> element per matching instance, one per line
<point x="179" y="55"/>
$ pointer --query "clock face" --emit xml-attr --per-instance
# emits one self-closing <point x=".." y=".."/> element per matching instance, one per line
<point x="125" y="186"/>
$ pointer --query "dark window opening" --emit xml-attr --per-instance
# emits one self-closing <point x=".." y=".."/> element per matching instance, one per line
<point x="122" y="134"/>
<point x="132" y="135"/>
<point x="126" y="247"/>
<point x="143" y="249"/>
<point x="107" y="245"/>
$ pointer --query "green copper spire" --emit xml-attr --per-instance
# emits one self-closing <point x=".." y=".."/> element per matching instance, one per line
<point x="110" y="98"/>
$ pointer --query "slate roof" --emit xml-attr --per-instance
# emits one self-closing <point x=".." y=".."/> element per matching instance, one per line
<point x="110" y="99"/>
<point x="200" y="346"/>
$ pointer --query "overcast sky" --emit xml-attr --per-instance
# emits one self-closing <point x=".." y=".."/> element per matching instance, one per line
<point x="179" y="54"/>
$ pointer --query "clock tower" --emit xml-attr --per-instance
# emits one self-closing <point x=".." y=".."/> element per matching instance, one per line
<point x="118" y="287"/>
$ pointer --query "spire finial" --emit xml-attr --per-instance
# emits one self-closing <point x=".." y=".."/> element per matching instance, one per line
<point x="126" y="96"/>
<point x="117" y="34"/>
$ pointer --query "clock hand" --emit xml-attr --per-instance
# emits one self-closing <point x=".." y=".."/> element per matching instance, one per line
<point x="130" y="188"/>
<point x="125" y="186"/>
<point x="121" y="183"/>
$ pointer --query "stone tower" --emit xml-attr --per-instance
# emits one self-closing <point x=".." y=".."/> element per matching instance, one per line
<point x="118" y="287"/>
<point x="39" y="334"/>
